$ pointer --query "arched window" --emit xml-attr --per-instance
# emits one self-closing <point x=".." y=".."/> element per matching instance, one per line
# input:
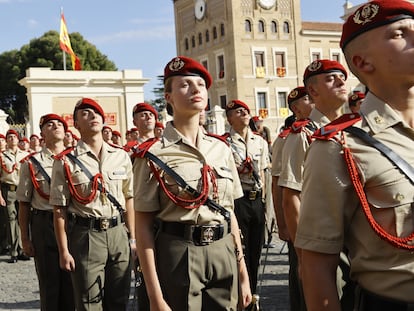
<point x="261" y="27"/>
<point x="222" y="30"/>
<point x="273" y="27"/>
<point x="286" y="27"/>
<point x="200" y="38"/>
<point x="214" y="32"/>
<point x="247" y="26"/>
<point x="193" y="41"/>
<point x="207" y="36"/>
<point x="186" y="44"/>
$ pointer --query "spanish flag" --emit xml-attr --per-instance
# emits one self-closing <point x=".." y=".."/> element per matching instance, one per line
<point x="65" y="44"/>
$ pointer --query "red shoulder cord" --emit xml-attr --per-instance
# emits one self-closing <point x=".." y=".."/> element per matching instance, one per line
<point x="4" y="167"/>
<point x="400" y="242"/>
<point x="190" y="203"/>
<point x="246" y="166"/>
<point x="83" y="199"/>
<point x="36" y="183"/>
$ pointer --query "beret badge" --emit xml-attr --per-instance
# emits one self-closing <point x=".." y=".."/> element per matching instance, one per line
<point x="315" y="66"/>
<point x="230" y="105"/>
<point x="366" y="14"/>
<point x="176" y="65"/>
<point x="293" y="94"/>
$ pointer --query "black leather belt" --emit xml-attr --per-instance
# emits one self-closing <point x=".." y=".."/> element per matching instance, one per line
<point x="9" y="187"/>
<point x="371" y="302"/>
<point x="43" y="213"/>
<point x="253" y="194"/>
<point x="97" y="224"/>
<point x="198" y="234"/>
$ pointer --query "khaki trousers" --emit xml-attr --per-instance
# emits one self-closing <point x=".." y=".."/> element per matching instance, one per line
<point x="102" y="277"/>
<point x="197" y="278"/>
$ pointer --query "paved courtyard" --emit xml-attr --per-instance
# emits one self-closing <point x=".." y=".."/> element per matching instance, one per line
<point x="19" y="288"/>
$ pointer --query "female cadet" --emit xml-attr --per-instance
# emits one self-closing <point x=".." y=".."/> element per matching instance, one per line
<point x="194" y="260"/>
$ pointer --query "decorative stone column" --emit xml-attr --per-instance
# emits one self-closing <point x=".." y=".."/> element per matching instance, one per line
<point x="4" y="126"/>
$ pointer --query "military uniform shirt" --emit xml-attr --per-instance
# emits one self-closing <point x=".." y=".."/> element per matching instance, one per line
<point x="294" y="151"/>
<point x="26" y="191"/>
<point x="8" y="159"/>
<point x="116" y="169"/>
<point x="254" y="147"/>
<point x="331" y="215"/>
<point x="277" y="149"/>
<point x="186" y="160"/>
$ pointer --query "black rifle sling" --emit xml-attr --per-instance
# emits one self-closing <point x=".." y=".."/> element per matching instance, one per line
<point x="183" y="184"/>
<point x="100" y="188"/>
<point x="402" y="165"/>
<point x="40" y="168"/>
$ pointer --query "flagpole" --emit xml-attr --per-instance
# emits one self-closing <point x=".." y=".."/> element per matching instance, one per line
<point x="63" y="52"/>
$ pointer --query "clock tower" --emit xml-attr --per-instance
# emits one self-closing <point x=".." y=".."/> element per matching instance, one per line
<point x="255" y="50"/>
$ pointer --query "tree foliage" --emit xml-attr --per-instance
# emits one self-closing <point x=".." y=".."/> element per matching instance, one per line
<point x="159" y="101"/>
<point x="41" y="52"/>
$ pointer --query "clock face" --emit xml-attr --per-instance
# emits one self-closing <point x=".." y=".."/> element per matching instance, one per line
<point x="200" y="9"/>
<point x="267" y="4"/>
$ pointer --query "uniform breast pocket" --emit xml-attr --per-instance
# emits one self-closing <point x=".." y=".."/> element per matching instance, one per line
<point x="224" y="184"/>
<point x="191" y="173"/>
<point x="81" y="183"/>
<point x="116" y="179"/>
<point x="43" y="184"/>
<point x="392" y="206"/>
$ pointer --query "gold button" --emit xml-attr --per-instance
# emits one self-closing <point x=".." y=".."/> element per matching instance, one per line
<point x="378" y="120"/>
<point x="399" y="197"/>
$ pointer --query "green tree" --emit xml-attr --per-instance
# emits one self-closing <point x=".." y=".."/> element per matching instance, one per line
<point x="41" y="52"/>
<point x="159" y="102"/>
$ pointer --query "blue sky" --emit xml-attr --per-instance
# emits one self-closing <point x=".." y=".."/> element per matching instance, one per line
<point x="134" y="34"/>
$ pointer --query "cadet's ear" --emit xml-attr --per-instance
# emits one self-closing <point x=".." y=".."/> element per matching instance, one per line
<point x="75" y="125"/>
<point x="362" y="63"/>
<point x="311" y="90"/>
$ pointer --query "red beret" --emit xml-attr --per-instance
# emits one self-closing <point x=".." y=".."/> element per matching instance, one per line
<point x="133" y="129"/>
<point x="24" y="139"/>
<point x="296" y="93"/>
<point x="372" y="15"/>
<point x="235" y="103"/>
<point x="145" y="107"/>
<point x="320" y="66"/>
<point x="2" y="136"/>
<point x="185" y="66"/>
<point x="355" y="97"/>
<point x="116" y="133"/>
<point x="106" y="127"/>
<point x="34" y="136"/>
<point x="257" y="119"/>
<point x="89" y="103"/>
<point x="10" y="132"/>
<point x="159" y="124"/>
<point x="51" y="116"/>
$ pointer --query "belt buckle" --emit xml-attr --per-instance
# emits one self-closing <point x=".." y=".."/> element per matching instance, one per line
<point x="12" y="187"/>
<point x="206" y="235"/>
<point x="252" y="195"/>
<point x="104" y="224"/>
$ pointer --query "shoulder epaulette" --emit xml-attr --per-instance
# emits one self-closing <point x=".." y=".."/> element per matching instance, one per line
<point x="63" y="153"/>
<point x="284" y="133"/>
<point x="129" y="145"/>
<point x="222" y="138"/>
<point x="27" y="157"/>
<point x="298" y="125"/>
<point x="330" y="130"/>
<point x="144" y="147"/>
